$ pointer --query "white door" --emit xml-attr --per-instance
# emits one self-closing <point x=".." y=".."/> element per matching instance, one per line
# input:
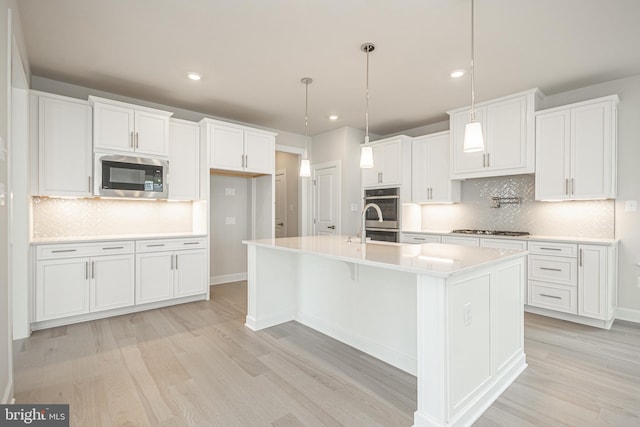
<point x="227" y="147"/>
<point x="184" y="158"/>
<point x="326" y="196"/>
<point x="552" y="155"/>
<point x="113" y="127"/>
<point x="260" y="152"/>
<point x="592" y="279"/>
<point x="281" y="204"/>
<point x="466" y="162"/>
<point x="62" y="288"/>
<point x="506" y="134"/>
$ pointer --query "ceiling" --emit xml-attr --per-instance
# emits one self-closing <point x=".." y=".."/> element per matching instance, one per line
<point x="252" y="53"/>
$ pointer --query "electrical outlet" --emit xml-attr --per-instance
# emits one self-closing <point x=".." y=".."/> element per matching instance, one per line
<point x="230" y="220"/>
<point x="229" y="191"/>
<point x="467" y="314"/>
<point x="354" y="207"/>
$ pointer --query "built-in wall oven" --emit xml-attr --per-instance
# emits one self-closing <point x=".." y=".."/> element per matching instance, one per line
<point x="388" y="199"/>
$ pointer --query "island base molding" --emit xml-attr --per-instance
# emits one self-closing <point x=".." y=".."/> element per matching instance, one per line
<point x="461" y="334"/>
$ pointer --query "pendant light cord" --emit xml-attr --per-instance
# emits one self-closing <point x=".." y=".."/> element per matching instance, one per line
<point x="366" y="114"/>
<point x="306" y="108"/>
<point x="473" y="95"/>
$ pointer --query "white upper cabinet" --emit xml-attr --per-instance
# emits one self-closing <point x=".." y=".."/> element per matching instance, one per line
<point x="125" y="128"/>
<point x="184" y="160"/>
<point x="576" y="151"/>
<point x="508" y="130"/>
<point x="239" y="148"/>
<point x="388" y="167"/>
<point x="430" y="182"/>
<point x="64" y="146"/>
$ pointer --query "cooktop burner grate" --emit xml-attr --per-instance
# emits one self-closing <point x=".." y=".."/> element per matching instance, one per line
<point x="492" y="232"/>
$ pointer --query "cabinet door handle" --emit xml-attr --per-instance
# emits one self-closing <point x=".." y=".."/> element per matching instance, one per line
<point x="379" y="177"/>
<point x="488" y="159"/>
<point x="155" y="245"/>
<point x="191" y="243"/>
<point x="172" y="261"/>
<point x="108" y="248"/>
<point x="131" y="139"/>
<point x="176" y="261"/>
<point x="550" y="269"/>
<point x="484" y="160"/>
<point x="86" y="270"/>
<point x="573" y="186"/>
<point x="137" y="138"/>
<point x="566" y="186"/>
<point x="419" y="238"/>
<point x="63" y="250"/>
<point x="550" y="296"/>
<point x="580" y="258"/>
<point x="550" y="249"/>
<point x="89" y="183"/>
<point x="93" y="269"/>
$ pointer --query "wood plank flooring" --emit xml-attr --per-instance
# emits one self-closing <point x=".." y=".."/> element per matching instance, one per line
<point x="197" y="365"/>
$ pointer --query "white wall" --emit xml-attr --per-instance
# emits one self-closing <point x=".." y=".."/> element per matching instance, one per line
<point x="230" y="202"/>
<point x="343" y="144"/>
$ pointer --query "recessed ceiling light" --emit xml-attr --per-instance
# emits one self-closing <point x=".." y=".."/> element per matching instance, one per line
<point x="457" y="73"/>
<point x="194" y="76"/>
<point x="333" y="117"/>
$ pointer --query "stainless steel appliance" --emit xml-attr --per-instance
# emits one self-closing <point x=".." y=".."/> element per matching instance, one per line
<point x="388" y="199"/>
<point x="492" y="232"/>
<point x="136" y="177"/>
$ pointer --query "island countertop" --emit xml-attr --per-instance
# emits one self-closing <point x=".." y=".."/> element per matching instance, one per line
<point x="436" y="259"/>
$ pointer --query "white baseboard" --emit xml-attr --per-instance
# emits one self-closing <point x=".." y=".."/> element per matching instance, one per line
<point x="628" y="314"/>
<point x="7" y="397"/>
<point x="226" y="278"/>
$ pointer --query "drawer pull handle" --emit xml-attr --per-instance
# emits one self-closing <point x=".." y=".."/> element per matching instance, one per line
<point x="108" y="248"/>
<point x="157" y="245"/>
<point x="550" y="269"/>
<point x="63" y="250"/>
<point x="551" y="249"/>
<point x="191" y="243"/>
<point x="550" y="296"/>
<point x="419" y="238"/>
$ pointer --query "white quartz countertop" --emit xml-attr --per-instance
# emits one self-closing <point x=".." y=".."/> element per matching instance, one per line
<point x="564" y="239"/>
<point x="432" y="258"/>
<point x="103" y="238"/>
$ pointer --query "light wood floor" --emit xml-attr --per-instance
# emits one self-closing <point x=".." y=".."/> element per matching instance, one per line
<point x="197" y="365"/>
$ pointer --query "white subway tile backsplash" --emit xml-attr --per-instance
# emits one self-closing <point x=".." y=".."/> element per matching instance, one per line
<point x="576" y="218"/>
<point x="54" y="217"/>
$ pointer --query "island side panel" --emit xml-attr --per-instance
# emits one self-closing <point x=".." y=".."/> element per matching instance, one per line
<point x="271" y="287"/>
<point x="369" y="308"/>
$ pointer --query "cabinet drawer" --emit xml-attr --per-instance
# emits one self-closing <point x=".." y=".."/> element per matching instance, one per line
<point x="170" y="244"/>
<point x="553" y="269"/>
<point x="72" y="250"/>
<point x="518" y="245"/>
<point x="460" y="240"/>
<point x="552" y="296"/>
<point x="552" y="248"/>
<point x="419" y="238"/>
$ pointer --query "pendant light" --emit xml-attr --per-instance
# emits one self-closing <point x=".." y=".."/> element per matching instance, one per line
<point x="473" y="140"/>
<point x="366" y="152"/>
<point x="305" y="165"/>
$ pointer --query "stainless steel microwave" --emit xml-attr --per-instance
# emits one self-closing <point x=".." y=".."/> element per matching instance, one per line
<point x="136" y="177"/>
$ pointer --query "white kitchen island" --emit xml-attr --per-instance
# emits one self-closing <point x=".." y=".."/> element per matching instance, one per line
<point x="451" y="315"/>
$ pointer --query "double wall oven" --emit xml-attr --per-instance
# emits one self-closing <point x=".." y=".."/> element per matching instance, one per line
<point x="388" y="199"/>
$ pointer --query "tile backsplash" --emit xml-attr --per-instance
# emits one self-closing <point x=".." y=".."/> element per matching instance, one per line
<point x="54" y="217"/>
<point x="575" y="218"/>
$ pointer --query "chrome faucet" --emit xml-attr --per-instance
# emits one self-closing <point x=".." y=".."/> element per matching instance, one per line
<point x="363" y="233"/>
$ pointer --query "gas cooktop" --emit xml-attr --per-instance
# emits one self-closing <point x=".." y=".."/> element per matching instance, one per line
<point x="492" y="232"/>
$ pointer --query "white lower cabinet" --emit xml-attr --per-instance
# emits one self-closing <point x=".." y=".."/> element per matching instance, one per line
<point x="572" y="278"/>
<point x="461" y="240"/>
<point x="166" y="270"/>
<point x="75" y="279"/>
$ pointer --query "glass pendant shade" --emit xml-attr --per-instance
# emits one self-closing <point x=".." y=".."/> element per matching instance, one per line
<point x="473" y="140"/>
<point x="305" y="168"/>
<point x="366" y="158"/>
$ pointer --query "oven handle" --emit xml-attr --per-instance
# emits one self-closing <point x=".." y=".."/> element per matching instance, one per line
<point x="381" y="197"/>
<point x="395" y="230"/>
